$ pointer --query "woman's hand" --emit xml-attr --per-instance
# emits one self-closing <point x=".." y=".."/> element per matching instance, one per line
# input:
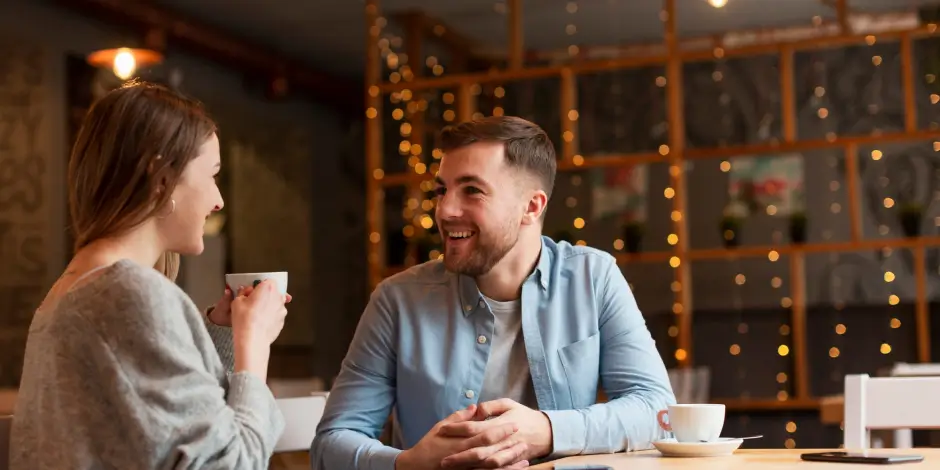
<point x="258" y="313"/>
<point x="221" y="313"/>
<point x="257" y="317"/>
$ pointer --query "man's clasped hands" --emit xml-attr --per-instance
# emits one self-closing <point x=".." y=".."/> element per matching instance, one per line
<point x="500" y="434"/>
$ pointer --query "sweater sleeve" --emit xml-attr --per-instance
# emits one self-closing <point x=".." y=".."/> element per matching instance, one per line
<point x="222" y="339"/>
<point x="156" y="356"/>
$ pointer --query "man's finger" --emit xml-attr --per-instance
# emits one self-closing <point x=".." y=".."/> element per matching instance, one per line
<point x="465" y="428"/>
<point x="492" y="436"/>
<point x="495" y="407"/>
<point x="507" y="456"/>
<point x="475" y="456"/>
<point x="461" y="415"/>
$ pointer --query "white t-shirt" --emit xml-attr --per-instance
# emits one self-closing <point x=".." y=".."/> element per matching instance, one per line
<point x="507" y="369"/>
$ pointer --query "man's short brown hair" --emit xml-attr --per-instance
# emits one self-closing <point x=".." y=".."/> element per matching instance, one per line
<point x="526" y="145"/>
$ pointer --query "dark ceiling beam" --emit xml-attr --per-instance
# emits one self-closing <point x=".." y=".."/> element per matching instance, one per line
<point x="162" y="26"/>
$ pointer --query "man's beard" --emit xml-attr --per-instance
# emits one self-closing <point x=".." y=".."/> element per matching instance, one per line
<point x="486" y="252"/>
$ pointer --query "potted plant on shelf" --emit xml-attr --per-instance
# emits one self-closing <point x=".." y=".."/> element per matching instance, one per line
<point x="731" y="223"/>
<point x="731" y="231"/>
<point x="911" y="214"/>
<point x="633" y="236"/>
<point x="798" y="227"/>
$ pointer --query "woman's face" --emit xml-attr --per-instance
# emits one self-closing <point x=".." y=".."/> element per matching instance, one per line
<point x="196" y="197"/>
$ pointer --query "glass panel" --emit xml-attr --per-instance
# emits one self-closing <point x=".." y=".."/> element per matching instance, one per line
<point x="747" y="351"/>
<point x="927" y="82"/>
<point x="622" y="111"/>
<point x="847" y="91"/>
<point x="564" y="31"/>
<point x="537" y="101"/>
<point x="742" y="283"/>
<point x="732" y="102"/>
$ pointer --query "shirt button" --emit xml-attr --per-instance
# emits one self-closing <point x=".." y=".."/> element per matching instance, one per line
<point x="481" y="339"/>
<point x="467" y="307"/>
<point x="482" y="303"/>
<point x="469" y="394"/>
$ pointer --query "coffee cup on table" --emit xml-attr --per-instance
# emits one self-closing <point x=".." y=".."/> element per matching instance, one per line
<point x="236" y="280"/>
<point x="693" y="422"/>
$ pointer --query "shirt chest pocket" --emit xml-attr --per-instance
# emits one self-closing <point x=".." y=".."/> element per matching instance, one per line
<point x="581" y="363"/>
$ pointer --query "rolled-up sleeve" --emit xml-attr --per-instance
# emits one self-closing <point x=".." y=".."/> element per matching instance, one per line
<point x="361" y="397"/>
<point x="632" y="374"/>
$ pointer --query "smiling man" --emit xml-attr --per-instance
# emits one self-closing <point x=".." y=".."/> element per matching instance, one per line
<point x="491" y="358"/>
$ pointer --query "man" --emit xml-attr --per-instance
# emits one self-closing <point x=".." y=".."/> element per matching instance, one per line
<point x="491" y="358"/>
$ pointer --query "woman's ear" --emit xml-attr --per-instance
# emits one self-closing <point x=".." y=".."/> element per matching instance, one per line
<point x="151" y="167"/>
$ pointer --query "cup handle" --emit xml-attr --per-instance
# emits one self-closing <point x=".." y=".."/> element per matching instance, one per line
<point x="663" y="424"/>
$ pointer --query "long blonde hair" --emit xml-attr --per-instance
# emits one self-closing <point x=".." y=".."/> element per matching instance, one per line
<point x="169" y="265"/>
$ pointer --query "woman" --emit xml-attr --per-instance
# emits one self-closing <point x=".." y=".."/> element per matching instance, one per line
<point x="120" y="368"/>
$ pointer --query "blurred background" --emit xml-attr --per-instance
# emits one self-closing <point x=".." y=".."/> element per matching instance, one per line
<point x="766" y="171"/>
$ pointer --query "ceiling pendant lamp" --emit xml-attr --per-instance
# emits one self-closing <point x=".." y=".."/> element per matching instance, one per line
<point x="124" y="61"/>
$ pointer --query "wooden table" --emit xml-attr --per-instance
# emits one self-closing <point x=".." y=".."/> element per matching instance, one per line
<point x="745" y="459"/>
<point x="769" y="459"/>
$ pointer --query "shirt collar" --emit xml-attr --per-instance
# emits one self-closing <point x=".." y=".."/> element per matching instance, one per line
<point x="471" y="298"/>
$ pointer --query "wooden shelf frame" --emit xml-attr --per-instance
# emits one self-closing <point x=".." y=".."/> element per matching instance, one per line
<point x="672" y="55"/>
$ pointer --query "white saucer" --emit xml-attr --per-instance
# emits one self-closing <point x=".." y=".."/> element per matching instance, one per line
<point x="721" y="447"/>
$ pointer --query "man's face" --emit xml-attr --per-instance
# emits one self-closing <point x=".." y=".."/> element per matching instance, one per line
<point x="480" y="206"/>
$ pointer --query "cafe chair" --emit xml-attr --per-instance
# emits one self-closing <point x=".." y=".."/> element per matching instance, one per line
<point x="292" y="388"/>
<point x="904" y="438"/>
<point x="301" y="417"/>
<point x="6" y="422"/>
<point x="888" y="403"/>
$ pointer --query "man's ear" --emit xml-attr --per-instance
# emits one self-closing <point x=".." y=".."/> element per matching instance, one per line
<point x="538" y="202"/>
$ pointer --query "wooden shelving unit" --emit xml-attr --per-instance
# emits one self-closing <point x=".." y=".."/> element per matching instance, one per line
<point x="671" y="54"/>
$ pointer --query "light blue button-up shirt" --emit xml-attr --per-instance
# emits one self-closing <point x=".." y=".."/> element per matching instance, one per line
<point x="416" y="350"/>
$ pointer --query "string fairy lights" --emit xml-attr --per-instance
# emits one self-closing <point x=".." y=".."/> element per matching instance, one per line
<point x="571" y="29"/>
<point x="676" y="172"/>
<point x="824" y="115"/>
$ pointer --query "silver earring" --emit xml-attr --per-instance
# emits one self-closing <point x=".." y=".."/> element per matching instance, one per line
<point x="172" y="209"/>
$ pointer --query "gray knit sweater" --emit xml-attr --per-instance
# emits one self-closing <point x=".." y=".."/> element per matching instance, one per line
<point x="123" y="372"/>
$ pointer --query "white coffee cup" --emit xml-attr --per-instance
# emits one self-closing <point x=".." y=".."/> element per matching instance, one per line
<point x="234" y="281"/>
<point x="693" y="422"/>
